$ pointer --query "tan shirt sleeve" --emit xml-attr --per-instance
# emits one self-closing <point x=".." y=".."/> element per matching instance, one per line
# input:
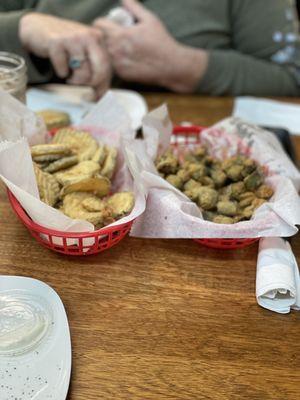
<point x="265" y="55"/>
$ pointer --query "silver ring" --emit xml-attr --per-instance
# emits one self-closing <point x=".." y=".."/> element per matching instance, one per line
<point x="76" y="62"/>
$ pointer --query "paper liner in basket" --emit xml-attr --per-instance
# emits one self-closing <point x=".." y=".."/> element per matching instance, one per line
<point x="170" y="214"/>
<point x="107" y="122"/>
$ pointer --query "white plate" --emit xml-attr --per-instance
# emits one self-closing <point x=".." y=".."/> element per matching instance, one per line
<point x="43" y="372"/>
<point x="77" y="101"/>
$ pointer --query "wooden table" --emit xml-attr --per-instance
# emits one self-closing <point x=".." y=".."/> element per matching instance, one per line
<point x="165" y="319"/>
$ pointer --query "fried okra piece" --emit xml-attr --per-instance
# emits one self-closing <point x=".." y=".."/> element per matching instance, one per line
<point x="264" y="192"/>
<point x="184" y="175"/>
<point x="196" y="171"/>
<point x="258" y="202"/>
<point x="235" y="172"/>
<point x="207" y="181"/>
<point x="200" y="152"/>
<point x="222" y="219"/>
<point x="253" y="181"/>
<point x="175" y="180"/>
<point x="192" y="189"/>
<point x="227" y="208"/>
<point x="219" y="177"/>
<point x="249" y="167"/>
<point x="208" y="215"/>
<point x="207" y="198"/>
<point x="167" y="163"/>
<point x="246" y="199"/>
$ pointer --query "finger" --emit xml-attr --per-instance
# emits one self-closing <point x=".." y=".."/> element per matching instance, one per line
<point x="77" y="50"/>
<point x="108" y="27"/>
<point x="137" y="10"/>
<point x="59" y="59"/>
<point x="100" y="64"/>
<point x="82" y="75"/>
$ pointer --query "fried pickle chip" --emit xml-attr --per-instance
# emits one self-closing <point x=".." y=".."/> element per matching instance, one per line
<point x="47" y="158"/>
<point x="73" y="208"/>
<point x="121" y="204"/>
<point x="100" y="154"/>
<point x="94" y="204"/>
<point x="81" y="142"/>
<point x="49" y="149"/>
<point x="48" y="186"/>
<point x="85" y="169"/>
<point x="110" y="162"/>
<point x="98" y="185"/>
<point x="54" y="118"/>
<point x="62" y="163"/>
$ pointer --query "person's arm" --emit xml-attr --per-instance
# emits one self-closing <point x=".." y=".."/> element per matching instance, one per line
<point x="39" y="70"/>
<point x="265" y="58"/>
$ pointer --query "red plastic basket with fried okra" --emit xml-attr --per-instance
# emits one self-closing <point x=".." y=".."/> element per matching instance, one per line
<point x="236" y="206"/>
<point x="74" y="174"/>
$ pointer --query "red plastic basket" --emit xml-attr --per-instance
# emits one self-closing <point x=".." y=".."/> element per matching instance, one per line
<point x="99" y="240"/>
<point x="190" y="135"/>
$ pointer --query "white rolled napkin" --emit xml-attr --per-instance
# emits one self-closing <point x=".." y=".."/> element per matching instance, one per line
<point x="277" y="277"/>
<point x="121" y="16"/>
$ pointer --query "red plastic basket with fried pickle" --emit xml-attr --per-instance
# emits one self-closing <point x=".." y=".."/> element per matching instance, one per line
<point x="190" y="135"/>
<point x="86" y="243"/>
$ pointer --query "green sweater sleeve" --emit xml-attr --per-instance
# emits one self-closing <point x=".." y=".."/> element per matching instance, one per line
<point x="233" y="73"/>
<point x="264" y="58"/>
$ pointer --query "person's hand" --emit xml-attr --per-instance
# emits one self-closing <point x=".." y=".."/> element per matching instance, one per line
<point x="62" y="40"/>
<point x="147" y="53"/>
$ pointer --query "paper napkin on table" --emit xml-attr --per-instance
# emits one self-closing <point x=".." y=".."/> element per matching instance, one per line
<point x="269" y="113"/>
<point x="277" y="279"/>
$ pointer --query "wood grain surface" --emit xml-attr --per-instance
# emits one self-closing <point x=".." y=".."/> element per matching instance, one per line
<point x="165" y="319"/>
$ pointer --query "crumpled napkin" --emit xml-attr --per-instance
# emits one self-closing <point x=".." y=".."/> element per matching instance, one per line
<point x="277" y="279"/>
<point x="121" y="16"/>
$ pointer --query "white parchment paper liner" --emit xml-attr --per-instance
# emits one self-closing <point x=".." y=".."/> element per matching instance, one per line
<point x="170" y="214"/>
<point x="19" y="127"/>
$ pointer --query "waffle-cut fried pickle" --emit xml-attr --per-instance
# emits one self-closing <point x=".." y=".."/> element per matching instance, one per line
<point x="222" y="219"/>
<point x="81" y="142"/>
<point x="94" y="204"/>
<point x="227" y="208"/>
<point x="54" y="118"/>
<point x="110" y="162"/>
<point x="47" y="158"/>
<point x="175" y="180"/>
<point x="98" y="185"/>
<point x="73" y="208"/>
<point x="264" y="192"/>
<point x="60" y="164"/>
<point x="121" y="204"/>
<point x="167" y="163"/>
<point x="100" y="155"/>
<point x="48" y="186"/>
<point x="52" y="148"/>
<point x="85" y="169"/>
